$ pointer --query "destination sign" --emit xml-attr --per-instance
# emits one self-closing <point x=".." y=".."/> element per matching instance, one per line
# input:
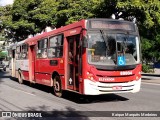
<point x="112" y="25"/>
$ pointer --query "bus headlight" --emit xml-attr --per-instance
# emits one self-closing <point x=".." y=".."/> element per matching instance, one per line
<point x="90" y="76"/>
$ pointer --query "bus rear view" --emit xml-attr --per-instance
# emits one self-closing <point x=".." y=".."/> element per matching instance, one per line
<point x="111" y="63"/>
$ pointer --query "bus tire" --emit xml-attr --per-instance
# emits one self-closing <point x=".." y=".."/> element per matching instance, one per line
<point x="20" y="80"/>
<point x="57" y="86"/>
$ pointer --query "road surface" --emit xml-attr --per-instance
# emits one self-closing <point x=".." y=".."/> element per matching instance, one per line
<point x="17" y="97"/>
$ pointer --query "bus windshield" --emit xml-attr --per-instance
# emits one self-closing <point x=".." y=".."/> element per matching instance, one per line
<point x="108" y="48"/>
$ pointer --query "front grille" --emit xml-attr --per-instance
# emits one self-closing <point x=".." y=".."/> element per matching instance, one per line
<point x="112" y="86"/>
<point x="116" y="87"/>
<point x="115" y="90"/>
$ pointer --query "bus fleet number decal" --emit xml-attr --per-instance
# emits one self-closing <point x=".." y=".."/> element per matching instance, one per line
<point x="126" y="73"/>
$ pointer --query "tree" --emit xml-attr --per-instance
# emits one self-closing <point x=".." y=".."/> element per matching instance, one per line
<point x="105" y="9"/>
<point x="5" y="22"/>
<point x="70" y="11"/>
<point x="147" y="13"/>
<point x="34" y="15"/>
<point x="23" y="24"/>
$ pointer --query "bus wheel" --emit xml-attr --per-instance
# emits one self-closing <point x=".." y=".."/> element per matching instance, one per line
<point x="57" y="86"/>
<point x="20" y="80"/>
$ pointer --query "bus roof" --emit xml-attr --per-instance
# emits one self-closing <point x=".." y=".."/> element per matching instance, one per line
<point x="81" y="24"/>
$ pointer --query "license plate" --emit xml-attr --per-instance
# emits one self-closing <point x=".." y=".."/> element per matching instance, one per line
<point x="117" y="87"/>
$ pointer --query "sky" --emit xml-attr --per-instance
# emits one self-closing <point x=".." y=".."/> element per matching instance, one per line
<point x="5" y="2"/>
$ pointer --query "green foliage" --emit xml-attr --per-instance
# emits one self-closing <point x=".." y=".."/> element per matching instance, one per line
<point x="147" y="46"/>
<point x="24" y="18"/>
<point x="105" y="8"/>
<point x="156" y="47"/>
<point x="3" y="54"/>
<point x="70" y="11"/>
<point x="32" y="16"/>
<point x="147" y="13"/>
<point x="6" y="22"/>
<point x="147" y="69"/>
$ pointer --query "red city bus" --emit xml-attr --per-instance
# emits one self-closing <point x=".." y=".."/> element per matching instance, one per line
<point x="90" y="57"/>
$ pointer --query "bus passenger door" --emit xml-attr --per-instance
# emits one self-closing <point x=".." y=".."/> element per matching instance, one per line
<point x="73" y="56"/>
<point x="12" y="64"/>
<point x="32" y="63"/>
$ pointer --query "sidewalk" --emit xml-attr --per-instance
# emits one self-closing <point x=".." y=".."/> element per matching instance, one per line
<point x="151" y="78"/>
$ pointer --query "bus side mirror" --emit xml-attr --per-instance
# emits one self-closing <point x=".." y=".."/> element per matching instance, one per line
<point x="84" y="42"/>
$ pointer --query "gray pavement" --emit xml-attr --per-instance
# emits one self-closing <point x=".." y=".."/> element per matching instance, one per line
<point x="151" y="78"/>
<point x="22" y="97"/>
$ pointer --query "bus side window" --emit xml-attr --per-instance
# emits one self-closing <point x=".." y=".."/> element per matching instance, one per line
<point x="44" y="53"/>
<point x="38" y="53"/>
<point x="24" y="51"/>
<point x="18" y="53"/>
<point x="51" y="52"/>
<point x="55" y="46"/>
<point x="42" y="48"/>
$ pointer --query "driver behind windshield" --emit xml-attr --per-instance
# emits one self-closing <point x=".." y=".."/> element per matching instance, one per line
<point x="111" y="47"/>
<point x="100" y="48"/>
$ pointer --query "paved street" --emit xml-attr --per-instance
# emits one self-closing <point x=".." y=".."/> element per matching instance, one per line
<point x="151" y="78"/>
<point x="17" y="97"/>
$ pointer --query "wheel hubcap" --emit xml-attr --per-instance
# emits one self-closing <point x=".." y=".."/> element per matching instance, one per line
<point x="57" y="86"/>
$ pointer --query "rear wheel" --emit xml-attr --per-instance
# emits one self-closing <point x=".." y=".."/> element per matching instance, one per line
<point x="57" y="86"/>
<point x="20" y="80"/>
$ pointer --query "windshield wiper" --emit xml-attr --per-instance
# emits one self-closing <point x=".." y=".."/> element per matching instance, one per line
<point x="105" y="40"/>
<point x="125" y="40"/>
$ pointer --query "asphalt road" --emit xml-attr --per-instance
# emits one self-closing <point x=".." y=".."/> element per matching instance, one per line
<point x="38" y="98"/>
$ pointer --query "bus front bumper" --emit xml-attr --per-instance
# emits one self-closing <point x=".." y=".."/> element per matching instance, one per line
<point x="97" y="88"/>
